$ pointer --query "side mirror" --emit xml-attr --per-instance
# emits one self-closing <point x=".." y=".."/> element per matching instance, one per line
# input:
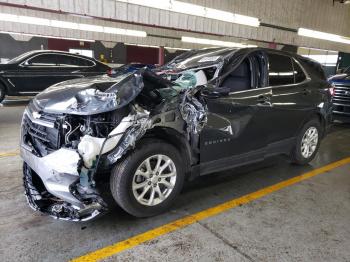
<point x="215" y="92"/>
<point x="340" y="71"/>
<point x="27" y="63"/>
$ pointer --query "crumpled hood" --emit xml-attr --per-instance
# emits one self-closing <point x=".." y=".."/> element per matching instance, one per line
<point x="90" y="95"/>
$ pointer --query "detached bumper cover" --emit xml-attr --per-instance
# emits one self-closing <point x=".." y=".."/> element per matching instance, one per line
<point x="50" y="186"/>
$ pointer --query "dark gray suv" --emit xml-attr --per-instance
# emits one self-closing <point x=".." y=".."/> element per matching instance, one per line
<point x="144" y="133"/>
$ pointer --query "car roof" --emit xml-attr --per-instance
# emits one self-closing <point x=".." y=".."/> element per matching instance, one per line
<point x="197" y="57"/>
<point x="30" y="53"/>
<point x="211" y="56"/>
<point x="52" y="51"/>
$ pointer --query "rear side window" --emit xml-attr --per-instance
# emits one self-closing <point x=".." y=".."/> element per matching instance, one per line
<point x="66" y="60"/>
<point x="280" y="70"/>
<point x="299" y="73"/>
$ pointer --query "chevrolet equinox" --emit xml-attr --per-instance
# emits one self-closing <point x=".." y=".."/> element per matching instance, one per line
<point x="148" y="131"/>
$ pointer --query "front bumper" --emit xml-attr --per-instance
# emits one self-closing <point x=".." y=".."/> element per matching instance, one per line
<point x="55" y="194"/>
<point x="50" y="186"/>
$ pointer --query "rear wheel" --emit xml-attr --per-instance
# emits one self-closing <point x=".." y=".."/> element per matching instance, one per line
<point x="2" y="93"/>
<point x="308" y="142"/>
<point x="148" y="180"/>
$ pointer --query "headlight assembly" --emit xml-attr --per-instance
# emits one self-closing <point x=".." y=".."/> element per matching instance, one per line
<point x="93" y="101"/>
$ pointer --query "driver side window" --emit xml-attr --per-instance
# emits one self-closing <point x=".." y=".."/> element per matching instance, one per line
<point x="240" y="79"/>
<point x="42" y="60"/>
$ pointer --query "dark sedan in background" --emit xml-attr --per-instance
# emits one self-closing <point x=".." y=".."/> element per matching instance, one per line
<point x="32" y="72"/>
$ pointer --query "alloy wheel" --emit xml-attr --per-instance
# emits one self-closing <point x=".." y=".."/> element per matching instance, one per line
<point x="154" y="180"/>
<point x="309" y="142"/>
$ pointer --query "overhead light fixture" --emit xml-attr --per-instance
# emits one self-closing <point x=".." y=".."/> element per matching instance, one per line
<point x="91" y="28"/>
<point x="177" y="48"/>
<point x="63" y="24"/>
<point x="47" y="36"/>
<point x="196" y="10"/>
<point x="204" y="41"/>
<point x="323" y="36"/>
<point x="120" y="31"/>
<point x="317" y="49"/>
<point x="70" y="25"/>
<point x="141" y="45"/>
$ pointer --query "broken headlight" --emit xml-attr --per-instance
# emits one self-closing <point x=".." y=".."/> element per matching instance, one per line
<point x="93" y="100"/>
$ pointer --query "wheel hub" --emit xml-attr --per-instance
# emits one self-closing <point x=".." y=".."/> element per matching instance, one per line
<point x="154" y="180"/>
<point x="309" y="142"/>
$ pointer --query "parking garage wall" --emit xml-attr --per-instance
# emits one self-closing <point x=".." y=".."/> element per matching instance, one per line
<point x="10" y="47"/>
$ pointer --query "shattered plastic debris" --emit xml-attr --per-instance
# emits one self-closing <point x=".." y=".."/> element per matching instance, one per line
<point x="193" y="112"/>
<point x="70" y="158"/>
<point x="135" y="132"/>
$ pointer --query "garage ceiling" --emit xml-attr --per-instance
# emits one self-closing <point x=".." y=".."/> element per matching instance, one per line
<point x="167" y="28"/>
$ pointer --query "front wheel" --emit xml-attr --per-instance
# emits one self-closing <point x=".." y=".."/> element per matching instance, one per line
<point x="307" y="143"/>
<point x="147" y="181"/>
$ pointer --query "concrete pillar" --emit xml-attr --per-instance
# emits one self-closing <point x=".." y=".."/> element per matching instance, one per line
<point x="161" y="55"/>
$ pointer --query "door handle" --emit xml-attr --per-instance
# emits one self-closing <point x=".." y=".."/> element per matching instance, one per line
<point x="306" y="91"/>
<point x="264" y="100"/>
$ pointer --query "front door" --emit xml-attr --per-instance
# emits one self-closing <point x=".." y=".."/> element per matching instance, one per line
<point x="237" y="120"/>
<point x="236" y="124"/>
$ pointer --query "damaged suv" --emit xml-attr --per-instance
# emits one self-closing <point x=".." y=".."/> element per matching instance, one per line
<point x="147" y="132"/>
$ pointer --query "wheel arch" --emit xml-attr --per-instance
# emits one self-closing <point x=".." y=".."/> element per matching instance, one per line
<point x="176" y="139"/>
<point x="315" y="115"/>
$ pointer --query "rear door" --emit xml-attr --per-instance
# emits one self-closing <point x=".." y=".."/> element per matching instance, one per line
<point x="291" y="96"/>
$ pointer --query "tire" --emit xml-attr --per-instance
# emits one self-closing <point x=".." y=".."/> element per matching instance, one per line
<point x="299" y="155"/>
<point x="2" y="93"/>
<point x="123" y="180"/>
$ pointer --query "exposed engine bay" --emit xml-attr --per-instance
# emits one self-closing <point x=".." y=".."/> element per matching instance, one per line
<point x="68" y="139"/>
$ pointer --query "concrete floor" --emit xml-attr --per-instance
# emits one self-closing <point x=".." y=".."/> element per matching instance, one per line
<point x="309" y="221"/>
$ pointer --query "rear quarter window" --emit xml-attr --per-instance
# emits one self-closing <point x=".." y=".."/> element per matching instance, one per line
<point x="313" y="68"/>
<point x="67" y="60"/>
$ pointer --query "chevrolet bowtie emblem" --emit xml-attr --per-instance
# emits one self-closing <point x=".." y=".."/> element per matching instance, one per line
<point x="36" y="115"/>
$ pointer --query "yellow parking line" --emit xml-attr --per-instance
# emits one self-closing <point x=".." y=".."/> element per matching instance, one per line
<point x="191" y="219"/>
<point x="8" y="154"/>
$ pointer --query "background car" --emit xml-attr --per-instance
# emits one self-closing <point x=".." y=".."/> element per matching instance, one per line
<point x="32" y="72"/>
<point x="341" y="98"/>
